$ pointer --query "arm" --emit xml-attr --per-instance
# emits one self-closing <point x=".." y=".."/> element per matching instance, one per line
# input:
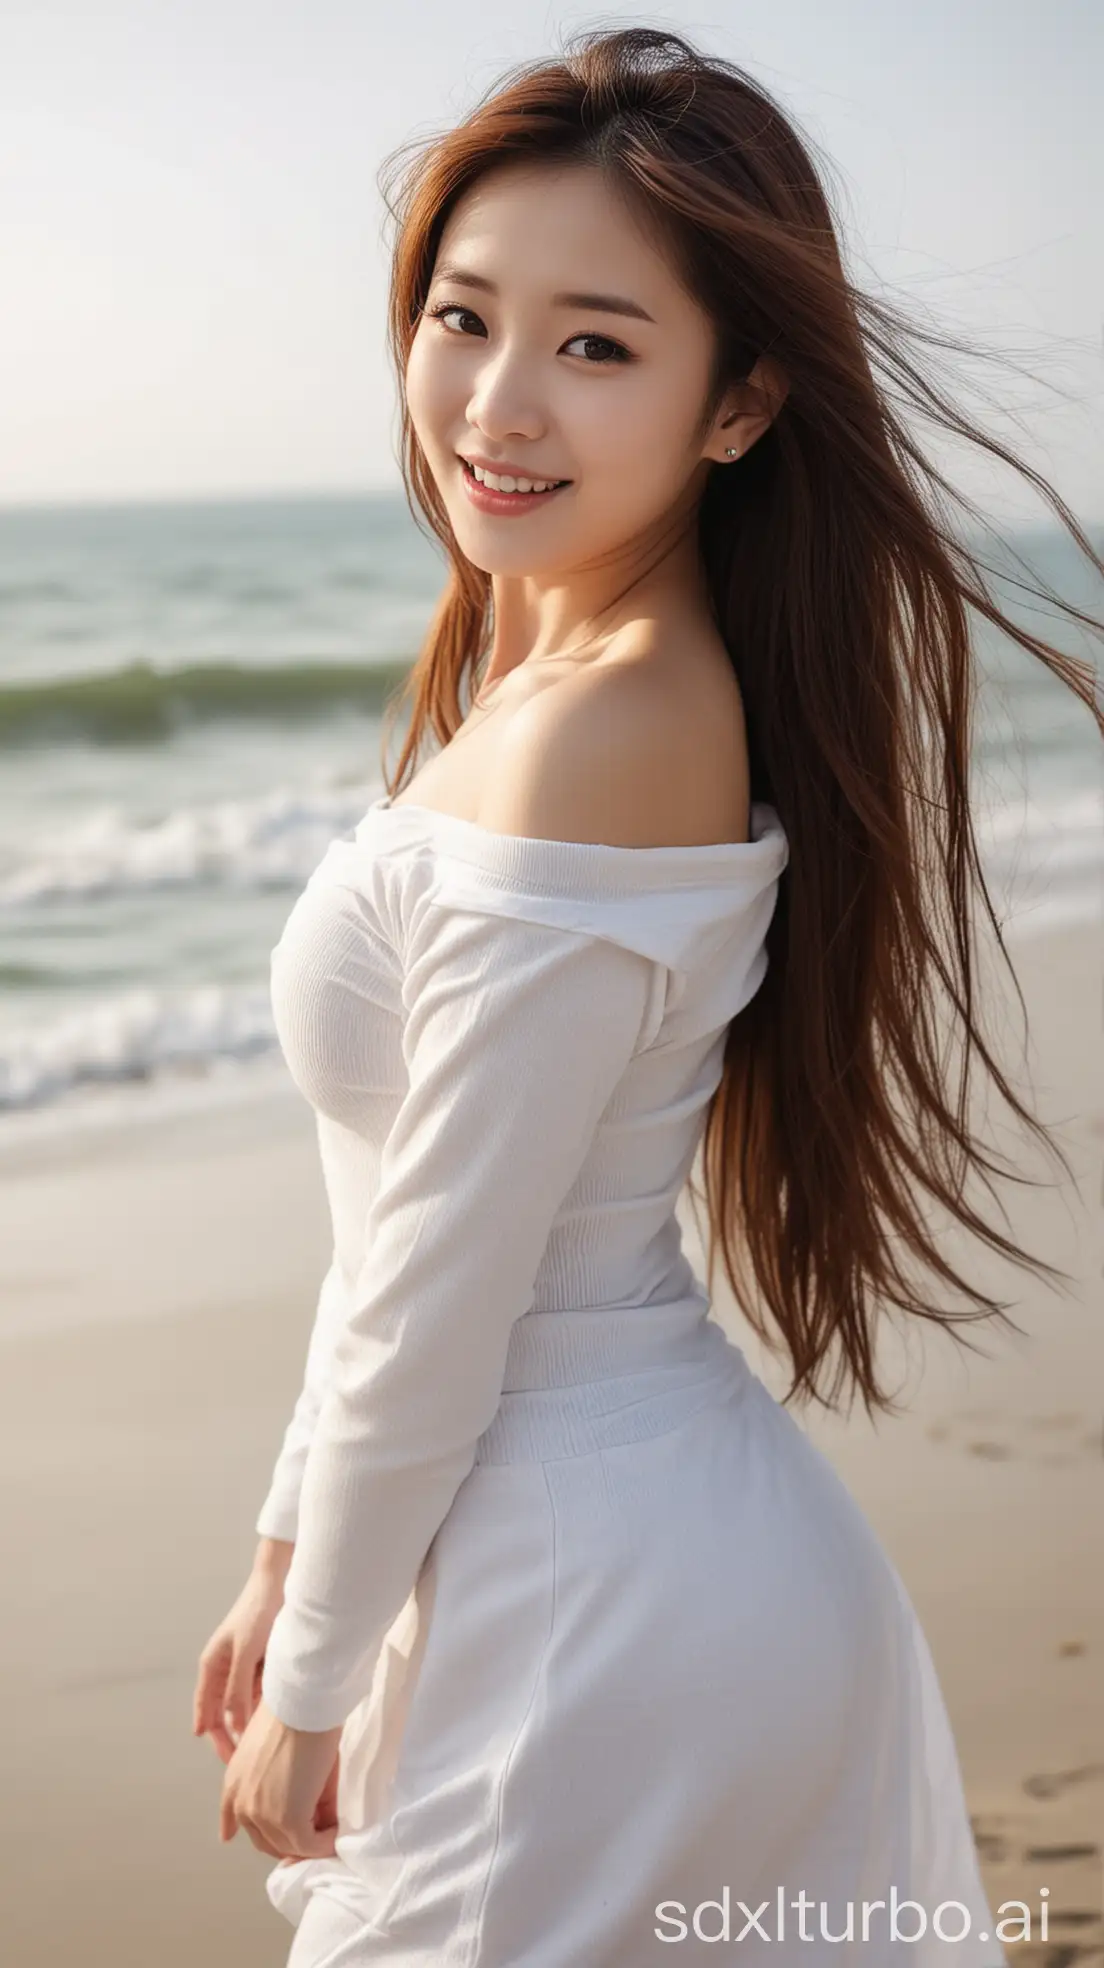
<point x="516" y="1036"/>
<point x="279" y="1513"/>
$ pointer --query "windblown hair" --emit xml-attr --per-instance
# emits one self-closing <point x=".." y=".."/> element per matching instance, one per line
<point x="843" y="593"/>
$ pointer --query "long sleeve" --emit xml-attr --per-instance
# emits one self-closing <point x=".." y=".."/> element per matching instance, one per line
<point x="279" y="1514"/>
<point x="515" y="1037"/>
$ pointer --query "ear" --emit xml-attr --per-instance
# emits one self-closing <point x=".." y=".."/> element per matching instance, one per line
<point x="749" y="408"/>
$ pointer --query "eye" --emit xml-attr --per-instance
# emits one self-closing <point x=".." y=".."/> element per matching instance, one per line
<point x="615" y="352"/>
<point x="451" y="307"/>
<point x="611" y="351"/>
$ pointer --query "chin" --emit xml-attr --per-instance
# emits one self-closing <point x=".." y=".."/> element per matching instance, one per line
<point x="500" y="556"/>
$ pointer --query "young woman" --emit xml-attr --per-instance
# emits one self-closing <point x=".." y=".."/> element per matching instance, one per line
<point x="563" y="1644"/>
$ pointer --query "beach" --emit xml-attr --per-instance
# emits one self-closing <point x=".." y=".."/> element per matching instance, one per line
<point x="158" y="1275"/>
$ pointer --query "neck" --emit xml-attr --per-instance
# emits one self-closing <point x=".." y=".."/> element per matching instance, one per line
<point x="535" y="619"/>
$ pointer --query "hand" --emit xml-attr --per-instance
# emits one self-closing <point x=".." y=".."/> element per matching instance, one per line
<point x="280" y="1784"/>
<point x="228" y="1686"/>
<point x="325" y="1813"/>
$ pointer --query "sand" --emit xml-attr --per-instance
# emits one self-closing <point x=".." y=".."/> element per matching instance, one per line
<point x="157" y="1281"/>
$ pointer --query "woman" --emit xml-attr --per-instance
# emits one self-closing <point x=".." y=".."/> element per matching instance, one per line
<point x="563" y="1645"/>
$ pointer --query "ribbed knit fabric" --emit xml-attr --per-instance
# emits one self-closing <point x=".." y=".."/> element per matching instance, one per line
<point x="607" y="1636"/>
<point x="510" y="1044"/>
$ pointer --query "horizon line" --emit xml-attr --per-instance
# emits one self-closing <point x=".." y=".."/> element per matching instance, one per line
<point x="241" y="496"/>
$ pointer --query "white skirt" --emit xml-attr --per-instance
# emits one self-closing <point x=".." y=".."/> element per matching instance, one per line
<point x="657" y="1681"/>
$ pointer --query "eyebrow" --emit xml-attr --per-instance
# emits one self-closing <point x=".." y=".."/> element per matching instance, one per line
<point x="601" y="303"/>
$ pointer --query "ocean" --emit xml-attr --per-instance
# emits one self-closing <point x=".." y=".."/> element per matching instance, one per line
<point x="190" y="701"/>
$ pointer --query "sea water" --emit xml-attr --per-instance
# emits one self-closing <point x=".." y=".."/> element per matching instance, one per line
<point x="190" y="710"/>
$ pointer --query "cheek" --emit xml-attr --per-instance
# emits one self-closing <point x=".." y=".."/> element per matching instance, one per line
<point x="628" y="461"/>
<point x="632" y="433"/>
<point x="426" y="394"/>
<point x="609" y="420"/>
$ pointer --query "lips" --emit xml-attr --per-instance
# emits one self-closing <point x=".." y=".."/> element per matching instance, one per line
<point x="506" y="504"/>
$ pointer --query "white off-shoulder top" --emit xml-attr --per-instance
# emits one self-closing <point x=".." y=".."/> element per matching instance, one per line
<point x="509" y="1044"/>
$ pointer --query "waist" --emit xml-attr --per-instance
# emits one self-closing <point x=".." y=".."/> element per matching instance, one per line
<point x="581" y="1380"/>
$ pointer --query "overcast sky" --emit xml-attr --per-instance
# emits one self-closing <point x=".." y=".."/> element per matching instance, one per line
<point x="190" y="241"/>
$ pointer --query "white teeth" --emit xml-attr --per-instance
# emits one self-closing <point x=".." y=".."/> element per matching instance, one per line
<point x="496" y="482"/>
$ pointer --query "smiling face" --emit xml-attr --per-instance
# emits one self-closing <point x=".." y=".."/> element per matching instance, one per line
<point x="557" y="340"/>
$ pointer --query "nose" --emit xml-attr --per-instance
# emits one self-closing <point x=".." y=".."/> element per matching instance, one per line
<point x="501" y="403"/>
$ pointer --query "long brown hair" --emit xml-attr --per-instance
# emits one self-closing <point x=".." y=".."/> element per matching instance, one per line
<point x="842" y="590"/>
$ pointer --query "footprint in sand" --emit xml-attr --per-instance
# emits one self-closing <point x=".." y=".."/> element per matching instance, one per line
<point x="1053" y="1783"/>
<point x="1059" y="1440"/>
<point x="1060" y="1854"/>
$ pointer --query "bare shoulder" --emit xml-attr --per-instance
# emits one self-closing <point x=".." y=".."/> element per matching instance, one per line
<point x="642" y="751"/>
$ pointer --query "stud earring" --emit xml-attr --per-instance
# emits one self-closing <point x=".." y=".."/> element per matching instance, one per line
<point x="731" y="451"/>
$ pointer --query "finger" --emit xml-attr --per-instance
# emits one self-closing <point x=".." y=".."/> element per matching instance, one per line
<point x="208" y="1698"/>
<point x="223" y="1741"/>
<point x="214" y="1666"/>
<point x="310" y="1843"/>
<point x="236" y="1701"/>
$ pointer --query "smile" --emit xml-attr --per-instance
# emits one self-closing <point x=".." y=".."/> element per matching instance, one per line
<point x="495" y="494"/>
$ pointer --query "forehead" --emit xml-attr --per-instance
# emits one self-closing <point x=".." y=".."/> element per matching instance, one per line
<point x="549" y="226"/>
